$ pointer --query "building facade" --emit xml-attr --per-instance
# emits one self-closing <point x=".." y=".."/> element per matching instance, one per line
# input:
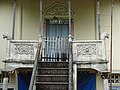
<point x="90" y="56"/>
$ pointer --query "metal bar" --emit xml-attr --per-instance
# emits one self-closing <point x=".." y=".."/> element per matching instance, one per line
<point x="14" y="18"/>
<point x="112" y="3"/>
<point x="98" y="18"/>
<point x="41" y="32"/>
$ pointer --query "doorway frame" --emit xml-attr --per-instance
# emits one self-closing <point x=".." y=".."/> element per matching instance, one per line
<point x="44" y="25"/>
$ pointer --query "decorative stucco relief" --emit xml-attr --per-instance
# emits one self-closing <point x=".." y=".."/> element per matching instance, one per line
<point x="24" y="49"/>
<point x="57" y="8"/>
<point x="86" y="49"/>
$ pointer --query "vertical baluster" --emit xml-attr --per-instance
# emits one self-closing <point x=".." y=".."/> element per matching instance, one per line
<point x="44" y="49"/>
<point x="50" y="49"/>
<point x="54" y="48"/>
<point x="58" y="49"/>
<point x="44" y="54"/>
<point x="47" y="48"/>
<point x="62" y="48"/>
<point x="53" y="51"/>
<point x="66" y="48"/>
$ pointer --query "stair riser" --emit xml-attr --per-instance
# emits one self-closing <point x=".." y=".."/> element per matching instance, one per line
<point x="53" y="72"/>
<point x="52" y="76"/>
<point x="53" y="65"/>
<point x="52" y="79"/>
<point x="52" y="87"/>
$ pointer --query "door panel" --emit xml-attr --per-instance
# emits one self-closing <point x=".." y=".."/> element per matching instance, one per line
<point x="23" y="81"/>
<point x="86" y="81"/>
<point x="57" y="29"/>
<point x="56" y="39"/>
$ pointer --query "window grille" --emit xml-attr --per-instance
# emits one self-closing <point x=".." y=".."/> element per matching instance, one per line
<point x="115" y="78"/>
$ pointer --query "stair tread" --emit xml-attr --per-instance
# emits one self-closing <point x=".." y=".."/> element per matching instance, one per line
<point x="55" y="68"/>
<point x="53" y="61"/>
<point x="52" y="75"/>
<point x="52" y="83"/>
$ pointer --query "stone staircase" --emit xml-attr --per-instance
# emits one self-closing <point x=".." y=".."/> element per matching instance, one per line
<point x="52" y="75"/>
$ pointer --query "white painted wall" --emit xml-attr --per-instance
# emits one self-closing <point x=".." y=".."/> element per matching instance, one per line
<point x="106" y="27"/>
<point x="5" y="25"/>
<point x="84" y="19"/>
<point x="116" y="36"/>
<point x="99" y="82"/>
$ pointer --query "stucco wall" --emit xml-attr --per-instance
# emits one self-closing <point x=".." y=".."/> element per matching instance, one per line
<point x="5" y="25"/>
<point x="99" y="82"/>
<point x="116" y="36"/>
<point x="106" y="27"/>
<point x="84" y="19"/>
<point x="105" y="23"/>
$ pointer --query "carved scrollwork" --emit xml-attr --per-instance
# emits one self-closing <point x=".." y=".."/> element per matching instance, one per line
<point x="23" y="49"/>
<point x="89" y="51"/>
<point x="57" y="9"/>
<point x="86" y="49"/>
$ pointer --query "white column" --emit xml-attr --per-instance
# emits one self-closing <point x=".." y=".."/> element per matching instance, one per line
<point x="5" y="83"/>
<point x="106" y="84"/>
<point x="75" y="77"/>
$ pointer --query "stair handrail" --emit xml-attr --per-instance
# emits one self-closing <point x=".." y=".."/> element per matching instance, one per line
<point x="38" y="53"/>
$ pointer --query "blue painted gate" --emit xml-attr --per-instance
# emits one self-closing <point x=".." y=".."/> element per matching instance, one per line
<point x="86" y="81"/>
<point x="23" y="81"/>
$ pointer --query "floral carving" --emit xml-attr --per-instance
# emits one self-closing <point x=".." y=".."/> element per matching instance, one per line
<point x="86" y="49"/>
<point x="23" y="49"/>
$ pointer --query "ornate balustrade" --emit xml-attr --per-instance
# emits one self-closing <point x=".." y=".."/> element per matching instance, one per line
<point x="21" y="50"/>
<point x="89" y="51"/>
<point x="87" y="54"/>
<point x="84" y="51"/>
<point x="90" y="54"/>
